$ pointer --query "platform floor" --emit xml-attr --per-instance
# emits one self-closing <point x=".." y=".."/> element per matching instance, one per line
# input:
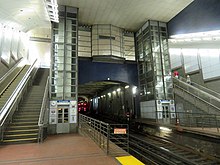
<point x="62" y="149"/>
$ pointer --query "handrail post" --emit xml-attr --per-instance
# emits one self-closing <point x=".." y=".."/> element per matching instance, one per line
<point x="217" y="123"/>
<point x="44" y="106"/>
<point x="108" y="137"/>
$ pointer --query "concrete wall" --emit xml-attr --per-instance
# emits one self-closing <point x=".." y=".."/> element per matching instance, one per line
<point x="98" y="71"/>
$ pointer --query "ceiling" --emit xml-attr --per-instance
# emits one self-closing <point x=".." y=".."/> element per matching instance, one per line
<point x="128" y="14"/>
<point x="93" y="88"/>
<point x="31" y="16"/>
<point x="26" y="15"/>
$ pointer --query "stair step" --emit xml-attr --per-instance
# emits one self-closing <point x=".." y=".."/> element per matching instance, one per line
<point x="19" y="127"/>
<point x="25" y="123"/>
<point x="32" y="112"/>
<point x="25" y="119"/>
<point x="19" y="115"/>
<point x="11" y="141"/>
<point x="34" y="107"/>
<point x="21" y="131"/>
<point x="29" y="109"/>
<point x="19" y="135"/>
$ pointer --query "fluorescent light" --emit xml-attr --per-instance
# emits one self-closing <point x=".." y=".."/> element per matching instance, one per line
<point x="200" y="36"/>
<point x="119" y="89"/>
<point x="127" y="86"/>
<point x="134" y="90"/>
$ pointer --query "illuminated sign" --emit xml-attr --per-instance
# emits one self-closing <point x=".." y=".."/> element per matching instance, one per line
<point x="120" y="131"/>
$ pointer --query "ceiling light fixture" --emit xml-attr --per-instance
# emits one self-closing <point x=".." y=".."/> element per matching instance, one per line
<point x="52" y="10"/>
<point x="199" y="36"/>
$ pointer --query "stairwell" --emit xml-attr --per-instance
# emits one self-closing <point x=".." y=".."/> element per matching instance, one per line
<point x="24" y="126"/>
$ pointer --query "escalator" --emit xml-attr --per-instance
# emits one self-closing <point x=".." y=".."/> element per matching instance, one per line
<point x="9" y="85"/>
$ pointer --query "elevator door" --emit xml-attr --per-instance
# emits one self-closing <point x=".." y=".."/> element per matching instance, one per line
<point x="166" y="113"/>
<point x="63" y="119"/>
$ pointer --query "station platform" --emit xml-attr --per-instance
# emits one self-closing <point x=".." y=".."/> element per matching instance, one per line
<point x="63" y="149"/>
<point x="209" y="132"/>
<point x="60" y="149"/>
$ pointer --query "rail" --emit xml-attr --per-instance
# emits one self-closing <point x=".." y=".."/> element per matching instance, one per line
<point x="105" y="134"/>
<point x="158" y="150"/>
<point x="42" y="122"/>
<point x="209" y="122"/>
<point x="209" y="100"/>
<point x="200" y="121"/>
<point x="13" y="100"/>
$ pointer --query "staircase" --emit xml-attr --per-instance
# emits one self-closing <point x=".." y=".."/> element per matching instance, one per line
<point x="24" y="126"/>
<point x="200" y="98"/>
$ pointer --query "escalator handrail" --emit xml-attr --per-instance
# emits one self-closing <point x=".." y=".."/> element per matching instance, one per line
<point x="11" y="70"/>
<point x="9" y="83"/>
<point x="5" y="111"/>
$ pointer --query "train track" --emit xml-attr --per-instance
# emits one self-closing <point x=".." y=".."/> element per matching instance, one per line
<point x="155" y="150"/>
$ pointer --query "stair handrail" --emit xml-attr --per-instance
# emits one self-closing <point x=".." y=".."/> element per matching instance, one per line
<point x="197" y="89"/>
<point x="5" y="111"/>
<point x="205" y="89"/>
<point x="218" y="108"/>
<point x="11" y="70"/>
<point x="43" y="110"/>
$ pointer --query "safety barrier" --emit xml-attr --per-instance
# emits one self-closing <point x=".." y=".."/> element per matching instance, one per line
<point x="112" y="138"/>
<point x="199" y="120"/>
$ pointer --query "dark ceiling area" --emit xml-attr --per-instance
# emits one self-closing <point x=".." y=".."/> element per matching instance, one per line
<point x="92" y="89"/>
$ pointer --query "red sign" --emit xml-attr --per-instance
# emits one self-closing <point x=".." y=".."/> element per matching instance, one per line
<point x="120" y="131"/>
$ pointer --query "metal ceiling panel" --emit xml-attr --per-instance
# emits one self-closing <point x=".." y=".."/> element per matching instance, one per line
<point x="26" y="15"/>
<point x="128" y="14"/>
<point x="23" y="15"/>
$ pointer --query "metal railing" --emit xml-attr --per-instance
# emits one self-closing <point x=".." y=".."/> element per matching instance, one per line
<point x="43" y="118"/>
<point x="11" y="105"/>
<point x="207" y="90"/>
<point x="105" y="135"/>
<point x="210" y="122"/>
<point x="185" y="119"/>
<point x="191" y="93"/>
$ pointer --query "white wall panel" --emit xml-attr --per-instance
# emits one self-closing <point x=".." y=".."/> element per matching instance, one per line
<point x="6" y="41"/>
<point x="41" y="50"/>
<point x="1" y="38"/>
<point x="190" y="57"/>
<point x="210" y="63"/>
<point x="14" y="44"/>
<point x="175" y="57"/>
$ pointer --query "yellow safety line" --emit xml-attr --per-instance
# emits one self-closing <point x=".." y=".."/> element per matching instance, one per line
<point x="129" y="160"/>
